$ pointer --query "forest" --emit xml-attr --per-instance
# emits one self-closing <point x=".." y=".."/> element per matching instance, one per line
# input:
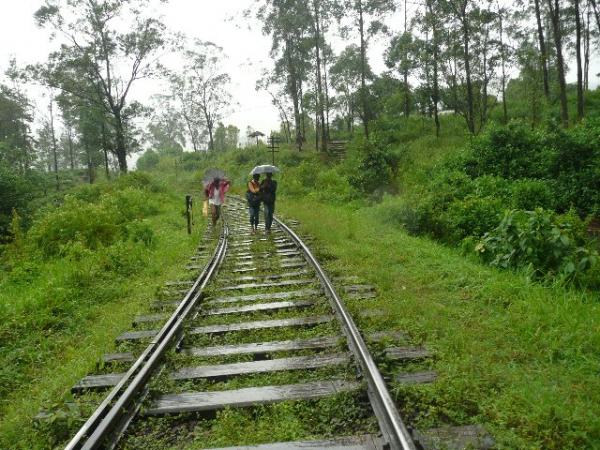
<point x="475" y="150"/>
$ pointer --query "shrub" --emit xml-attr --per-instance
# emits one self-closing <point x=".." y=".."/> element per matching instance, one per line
<point x="139" y="180"/>
<point x="89" y="223"/>
<point x="473" y="216"/>
<point x="92" y="224"/>
<point x="16" y="192"/>
<point x="548" y="243"/>
<point x="148" y="161"/>
<point x="332" y="186"/>
<point x="530" y="194"/>
<point x="376" y="167"/>
<point x="511" y="152"/>
<point x="124" y="258"/>
<point x="140" y="231"/>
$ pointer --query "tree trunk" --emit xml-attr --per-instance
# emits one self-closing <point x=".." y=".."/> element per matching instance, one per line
<point x="293" y="91"/>
<point x="90" y="166"/>
<point x="363" y="69"/>
<point x="586" y="53"/>
<point x="484" y="93"/>
<point x="543" y="50"/>
<point x="580" y="111"/>
<point x="320" y="100"/>
<point x="326" y="84"/>
<point x="71" y="155"/>
<point x="316" y="131"/>
<point x="105" y="150"/>
<point x="121" y="149"/>
<point x="106" y="164"/>
<point x="193" y="135"/>
<point x="211" y="141"/>
<point x="454" y="80"/>
<point x="54" y="149"/>
<point x="467" y="61"/>
<point x="405" y="73"/>
<point x="435" y="95"/>
<point x="560" y="65"/>
<point x="503" y="62"/>
<point x="302" y="115"/>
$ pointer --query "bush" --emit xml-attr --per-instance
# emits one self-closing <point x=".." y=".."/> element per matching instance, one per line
<point x="511" y="152"/>
<point x="376" y="167"/>
<point x="17" y="192"/>
<point x="530" y="194"/>
<point x="139" y="180"/>
<point x="549" y="244"/>
<point x="473" y="216"/>
<point x="93" y="224"/>
<point x="148" y="161"/>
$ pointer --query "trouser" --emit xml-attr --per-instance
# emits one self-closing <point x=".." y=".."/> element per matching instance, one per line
<point x="254" y="210"/>
<point x="215" y="211"/>
<point x="269" y="210"/>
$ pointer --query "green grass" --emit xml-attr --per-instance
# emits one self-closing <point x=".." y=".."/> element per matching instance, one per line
<point x="60" y="314"/>
<point x="516" y="356"/>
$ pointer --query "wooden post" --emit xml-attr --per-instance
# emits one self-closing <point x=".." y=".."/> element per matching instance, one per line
<point x="188" y="212"/>
<point x="273" y="141"/>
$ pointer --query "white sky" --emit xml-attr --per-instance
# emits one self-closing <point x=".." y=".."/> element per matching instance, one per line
<point x="217" y="21"/>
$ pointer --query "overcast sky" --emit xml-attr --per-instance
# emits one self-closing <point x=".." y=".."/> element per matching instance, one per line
<point x="217" y="21"/>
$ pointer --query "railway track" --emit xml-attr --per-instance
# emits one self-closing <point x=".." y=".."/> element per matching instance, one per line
<point x="260" y="324"/>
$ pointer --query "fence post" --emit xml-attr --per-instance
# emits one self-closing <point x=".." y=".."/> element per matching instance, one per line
<point x="188" y="212"/>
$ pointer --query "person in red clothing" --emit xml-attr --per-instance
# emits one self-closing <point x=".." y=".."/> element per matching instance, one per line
<point x="215" y="194"/>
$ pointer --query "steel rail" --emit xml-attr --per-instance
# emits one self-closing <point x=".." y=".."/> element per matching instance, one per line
<point x="119" y="407"/>
<point x="395" y="432"/>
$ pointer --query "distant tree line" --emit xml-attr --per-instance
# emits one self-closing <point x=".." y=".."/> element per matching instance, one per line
<point x="464" y="54"/>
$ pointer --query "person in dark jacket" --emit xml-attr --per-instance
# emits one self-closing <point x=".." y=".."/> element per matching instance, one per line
<point x="268" y="189"/>
<point x="253" y="196"/>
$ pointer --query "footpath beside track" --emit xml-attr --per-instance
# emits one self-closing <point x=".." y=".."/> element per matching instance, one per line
<point x="260" y="308"/>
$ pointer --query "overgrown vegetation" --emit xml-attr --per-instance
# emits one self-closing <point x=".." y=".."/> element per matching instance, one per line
<point x="70" y="283"/>
<point x="511" y="354"/>
<point x="518" y="197"/>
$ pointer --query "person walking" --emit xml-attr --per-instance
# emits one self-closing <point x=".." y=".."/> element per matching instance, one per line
<point x="253" y="195"/>
<point x="268" y="189"/>
<point x="215" y="194"/>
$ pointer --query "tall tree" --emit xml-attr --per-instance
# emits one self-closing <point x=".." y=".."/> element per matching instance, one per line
<point x="16" y="149"/>
<point x="542" y="47"/>
<point x="431" y="22"/>
<point x="346" y="73"/>
<point x="98" y="49"/>
<point x="291" y="25"/>
<point x="202" y="86"/>
<point x="503" y="59"/>
<point x="320" y="98"/>
<point x="367" y="15"/>
<point x="53" y="143"/>
<point x="557" y="33"/>
<point x="401" y="55"/>
<point x="578" y="33"/>
<point x="462" y="9"/>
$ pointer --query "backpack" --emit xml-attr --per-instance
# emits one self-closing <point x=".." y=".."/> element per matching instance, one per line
<point x="268" y="191"/>
<point x="253" y="198"/>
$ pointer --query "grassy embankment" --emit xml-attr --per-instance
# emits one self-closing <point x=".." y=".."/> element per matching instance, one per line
<point x="70" y="286"/>
<point x="516" y="356"/>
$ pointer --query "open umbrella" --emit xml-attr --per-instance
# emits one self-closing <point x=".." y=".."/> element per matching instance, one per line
<point x="211" y="174"/>
<point x="265" y="168"/>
